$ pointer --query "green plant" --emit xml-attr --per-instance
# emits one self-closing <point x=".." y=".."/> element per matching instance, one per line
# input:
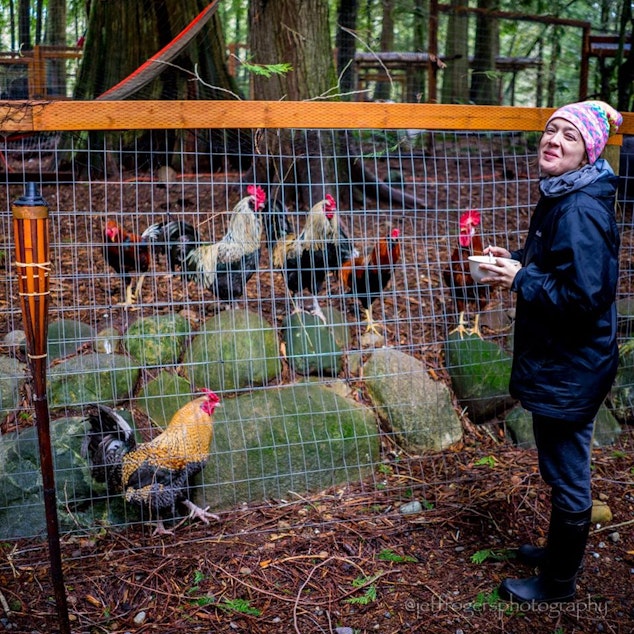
<point x="492" y="553"/>
<point x="489" y="599"/>
<point x="486" y="461"/>
<point x="198" y="577"/>
<point x="388" y="554"/>
<point x="240" y="606"/>
<point x="267" y="70"/>
<point x="368" y="596"/>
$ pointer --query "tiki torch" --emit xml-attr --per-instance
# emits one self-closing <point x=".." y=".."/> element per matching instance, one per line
<point x="31" y="234"/>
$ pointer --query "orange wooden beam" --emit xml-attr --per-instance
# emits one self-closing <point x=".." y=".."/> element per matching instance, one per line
<point x="33" y="116"/>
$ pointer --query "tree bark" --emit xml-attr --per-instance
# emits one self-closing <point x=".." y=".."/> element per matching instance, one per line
<point x="455" y="84"/>
<point x="56" y="36"/>
<point x="131" y="33"/>
<point x="484" y="78"/>
<point x="346" y="47"/>
<point x="295" y="32"/>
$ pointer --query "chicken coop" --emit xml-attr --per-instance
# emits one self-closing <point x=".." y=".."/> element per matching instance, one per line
<point x="176" y="265"/>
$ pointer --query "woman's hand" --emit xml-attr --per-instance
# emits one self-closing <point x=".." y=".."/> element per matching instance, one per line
<point x="502" y="272"/>
<point x="498" y="252"/>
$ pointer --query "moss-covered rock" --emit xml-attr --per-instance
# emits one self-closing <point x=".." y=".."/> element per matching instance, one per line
<point x="315" y="347"/>
<point x="12" y="376"/>
<point x="157" y="341"/>
<point x="91" y="377"/>
<point x="297" y="438"/>
<point x="480" y="371"/>
<point x="80" y="501"/>
<point x="234" y="349"/>
<point x="163" y="396"/>
<point x="66" y="336"/>
<point x="417" y="409"/>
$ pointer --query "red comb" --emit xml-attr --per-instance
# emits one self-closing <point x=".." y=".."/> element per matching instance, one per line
<point x="210" y="394"/>
<point x="395" y="233"/>
<point x="470" y="218"/>
<point x="259" y="195"/>
<point x="331" y="205"/>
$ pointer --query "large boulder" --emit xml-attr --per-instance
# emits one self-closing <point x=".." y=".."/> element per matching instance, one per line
<point x="296" y="438"/>
<point x="315" y="347"/>
<point x="12" y="377"/>
<point x="80" y="501"/>
<point x="519" y="427"/>
<point x="480" y="371"/>
<point x="234" y="349"/>
<point x="91" y="377"/>
<point x="66" y="336"/>
<point x="157" y="341"/>
<point x="163" y="396"/>
<point x="417" y="409"/>
<point x="622" y="392"/>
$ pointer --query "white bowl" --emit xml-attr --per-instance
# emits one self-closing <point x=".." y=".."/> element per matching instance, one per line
<point x="477" y="273"/>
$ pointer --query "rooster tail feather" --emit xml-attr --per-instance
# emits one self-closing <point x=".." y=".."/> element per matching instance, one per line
<point x="202" y="264"/>
<point x="108" y="439"/>
<point x="175" y="237"/>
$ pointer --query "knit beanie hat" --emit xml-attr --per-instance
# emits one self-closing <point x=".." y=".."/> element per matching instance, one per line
<point x="595" y="120"/>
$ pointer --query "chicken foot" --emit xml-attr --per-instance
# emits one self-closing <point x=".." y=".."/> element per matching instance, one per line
<point x="131" y="297"/>
<point x="372" y="325"/>
<point x="196" y="512"/>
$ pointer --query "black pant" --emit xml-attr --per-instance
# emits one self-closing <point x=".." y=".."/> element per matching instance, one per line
<point x="563" y="450"/>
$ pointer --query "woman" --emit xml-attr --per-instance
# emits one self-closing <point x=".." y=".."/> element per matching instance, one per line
<point x="565" y="350"/>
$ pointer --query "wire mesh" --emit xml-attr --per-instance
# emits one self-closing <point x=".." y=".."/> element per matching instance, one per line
<point x="122" y="177"/>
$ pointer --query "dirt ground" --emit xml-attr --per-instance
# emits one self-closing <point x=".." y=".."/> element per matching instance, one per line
<point x="347" y="560"/>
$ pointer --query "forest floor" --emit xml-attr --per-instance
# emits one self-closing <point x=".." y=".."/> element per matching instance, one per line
<point x="346" y="558"/>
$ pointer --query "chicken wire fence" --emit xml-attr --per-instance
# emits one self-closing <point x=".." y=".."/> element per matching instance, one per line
<point x="149" y="358"/>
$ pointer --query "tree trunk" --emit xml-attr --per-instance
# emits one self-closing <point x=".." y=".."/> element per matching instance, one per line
<point x="131" y="33"/>
<point x="416" y="83"/>
<point x="383" y="90"/>
<point x="455" y="85"/>
<point x="56" y="36"/>
<point x="24" y="25"/>
<point x="346" y="47"/>
<point x="484" y="82"/>
<point x="294" y="32"/>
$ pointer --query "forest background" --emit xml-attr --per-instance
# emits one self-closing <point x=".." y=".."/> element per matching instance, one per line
<point x="305" y="49"/>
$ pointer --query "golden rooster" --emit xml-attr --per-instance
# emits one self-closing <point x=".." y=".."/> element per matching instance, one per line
<point x="154" y="475"/>
<point x="321" y="247"/>
<point x="226" y="266"/>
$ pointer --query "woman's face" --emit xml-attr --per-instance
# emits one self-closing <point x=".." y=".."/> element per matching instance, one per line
<point x="561" y="148"/>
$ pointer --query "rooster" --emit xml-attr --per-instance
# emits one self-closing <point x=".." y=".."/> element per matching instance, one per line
<point x="226" y="266"/>
<point x="154" y="475"/>
<point x="366" y="277"/>
<point x="127" y="253"/>
<point x="457" y="277"/>
<point x="174" y="238"/>
<point x="321" y="247"/>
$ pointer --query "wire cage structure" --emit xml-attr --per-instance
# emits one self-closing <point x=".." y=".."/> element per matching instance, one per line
<point x="312" y="404"/>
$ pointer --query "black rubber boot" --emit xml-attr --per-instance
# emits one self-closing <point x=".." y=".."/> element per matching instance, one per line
<point x="567" y="538"/>
<point x="532" y="556"/>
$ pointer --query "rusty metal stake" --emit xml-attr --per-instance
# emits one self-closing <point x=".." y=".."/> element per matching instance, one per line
<point x="31" y="233"/>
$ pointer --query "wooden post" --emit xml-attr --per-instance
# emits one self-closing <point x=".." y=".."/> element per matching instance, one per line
<point x="31" y="233"/>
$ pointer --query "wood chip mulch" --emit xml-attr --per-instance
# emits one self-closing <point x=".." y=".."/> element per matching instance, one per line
<point x="346" y="558"/>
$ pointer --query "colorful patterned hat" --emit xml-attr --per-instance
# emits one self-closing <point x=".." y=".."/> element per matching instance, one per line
<point x="595" y="120"/>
